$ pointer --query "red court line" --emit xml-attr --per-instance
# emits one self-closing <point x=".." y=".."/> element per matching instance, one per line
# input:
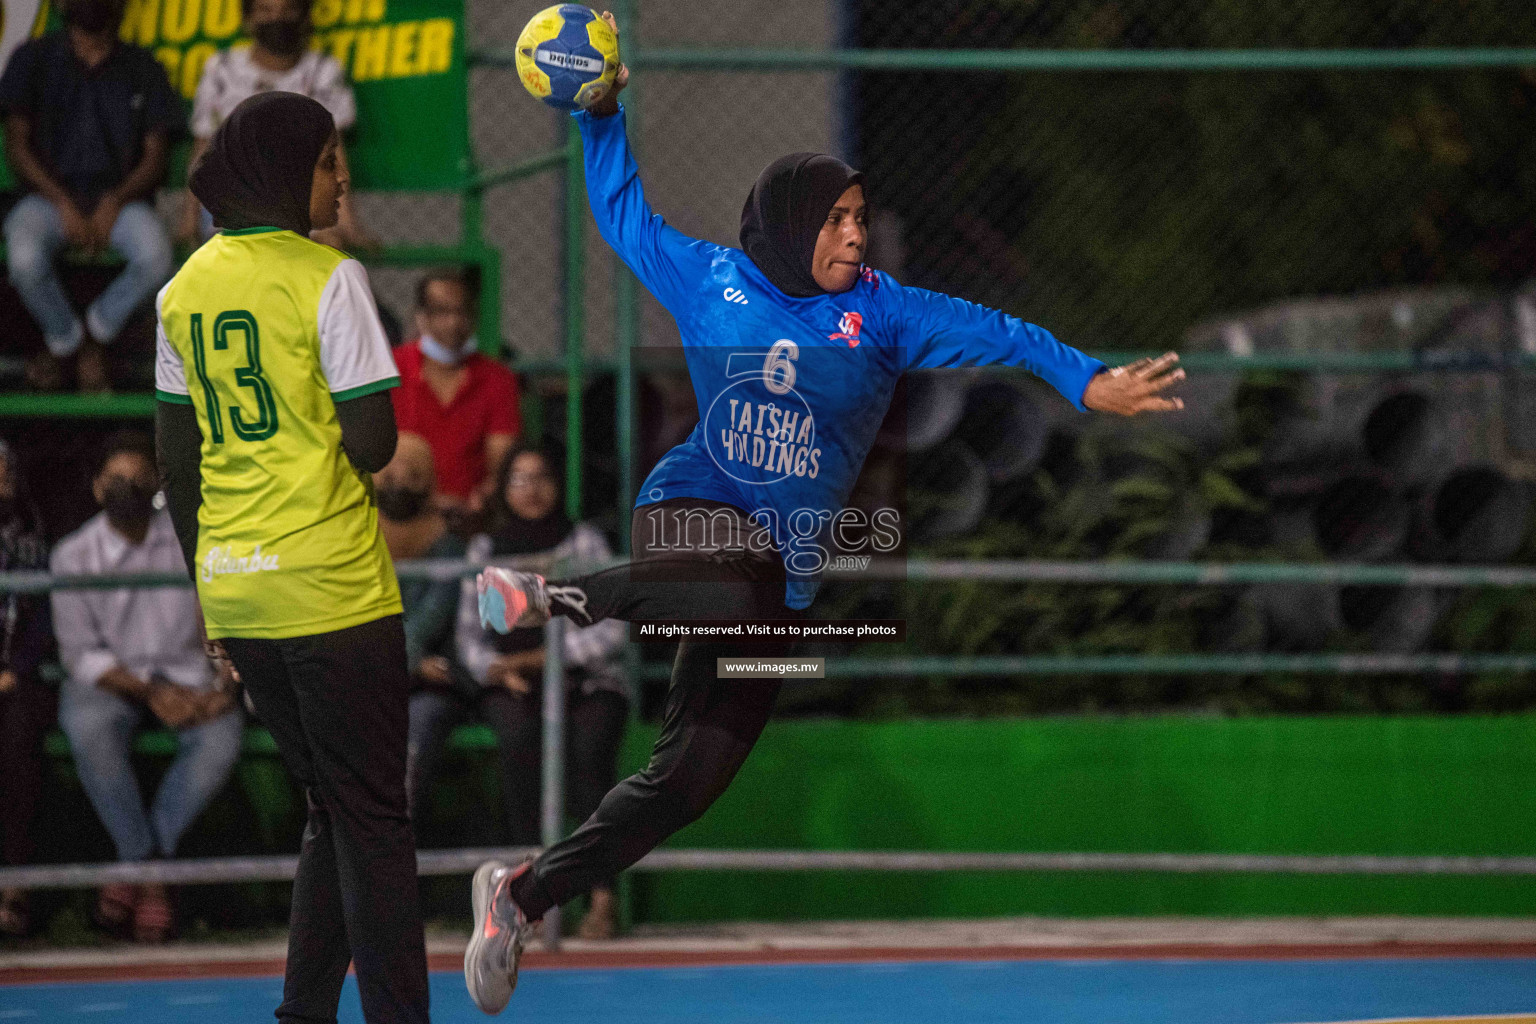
<point x="601" y="959"/>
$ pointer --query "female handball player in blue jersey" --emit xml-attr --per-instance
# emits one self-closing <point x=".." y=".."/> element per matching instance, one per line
<point x="794" y="347"/>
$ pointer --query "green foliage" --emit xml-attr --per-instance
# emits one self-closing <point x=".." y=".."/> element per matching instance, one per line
<point x="1116" y="493"/>
<point x="1120" y="209"/>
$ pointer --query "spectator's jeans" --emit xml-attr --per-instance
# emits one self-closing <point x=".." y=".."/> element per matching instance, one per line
<point x="433" y="714"/>
<point x="100" y="726"/>
<point x="34" y="234"/>
<point x="708" y="726"/>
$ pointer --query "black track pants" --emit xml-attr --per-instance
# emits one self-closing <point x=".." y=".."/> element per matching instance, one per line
<point x="336" y="705"/>
<point x="689" y="564"/>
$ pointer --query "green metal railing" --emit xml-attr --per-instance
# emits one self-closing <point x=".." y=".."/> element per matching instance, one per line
<point x="755" y="59"/>
<point x="1074" y="665"/>
<point x="1153" y="573"/>
<point x="576" y="368"/>
<point x="1083" y="573"/>
<point x="575" y="314"/>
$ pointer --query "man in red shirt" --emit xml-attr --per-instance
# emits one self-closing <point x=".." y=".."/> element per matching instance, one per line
<point x="464" y="404"/>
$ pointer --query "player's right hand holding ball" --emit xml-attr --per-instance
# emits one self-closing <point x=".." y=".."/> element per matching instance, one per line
<point x="609" y="104"/>
<point x="1133" y="389"/>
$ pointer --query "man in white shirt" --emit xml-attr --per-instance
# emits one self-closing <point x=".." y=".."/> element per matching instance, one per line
<point x="277" y="60"/>
<point x="129" y="651"/>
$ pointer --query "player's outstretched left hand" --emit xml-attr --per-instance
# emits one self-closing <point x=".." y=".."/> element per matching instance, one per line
<point x="1130" y="390"/>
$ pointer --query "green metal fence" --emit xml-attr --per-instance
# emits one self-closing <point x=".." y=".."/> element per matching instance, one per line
<point x="1064" y="58"/>
<point x="1099" y="250"/>
<point x="1354" y="147"/>
<point x="1099" y="255"/>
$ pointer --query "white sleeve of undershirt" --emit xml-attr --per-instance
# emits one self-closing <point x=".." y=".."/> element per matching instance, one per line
<point x="170" y="373"/>
<point x="354" y="353"/>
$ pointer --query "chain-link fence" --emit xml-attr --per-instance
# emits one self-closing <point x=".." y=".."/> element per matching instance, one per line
<point x="1118" y="208"/>
<point x="1341" y="208"/>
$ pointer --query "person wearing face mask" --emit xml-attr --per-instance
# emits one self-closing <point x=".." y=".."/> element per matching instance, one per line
<point x="89" y="121"/>
<point x="413" y="528"/>
<point x="794" y="347"/>
<point x="27" y="704"/>
<point x="464" y="403"/>
<point x="132" y="657"/>
<point x="278" y="59"/>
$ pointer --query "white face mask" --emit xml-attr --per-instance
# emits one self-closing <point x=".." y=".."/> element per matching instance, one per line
<point x="440" y="353"/>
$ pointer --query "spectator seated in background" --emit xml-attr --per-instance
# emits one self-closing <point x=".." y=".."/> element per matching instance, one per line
<point x="89" y="120"/>
<point x="463" y="403"/>
<point x="129" y="651"/>
<point x="278" y="59"/>
<point x="26" y="702"/>
<point x="413" y="528"/>
<point x="526" y="520"/>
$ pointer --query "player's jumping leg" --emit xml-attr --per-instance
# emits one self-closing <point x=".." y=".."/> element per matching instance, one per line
<point x="709" y="728"/>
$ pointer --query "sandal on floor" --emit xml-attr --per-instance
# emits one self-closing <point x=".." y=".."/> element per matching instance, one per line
<point x="93" y="373"/>
<point x="44" y="372"/>
<point x="153" y="920"/>
<point x="115" y="907"/>
<point x="601" y="920"/>
<point x="15" y="922"/>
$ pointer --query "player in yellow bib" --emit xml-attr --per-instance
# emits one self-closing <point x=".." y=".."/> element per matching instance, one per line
<point x="272" y="375"/>
<point x="292" y="546"/>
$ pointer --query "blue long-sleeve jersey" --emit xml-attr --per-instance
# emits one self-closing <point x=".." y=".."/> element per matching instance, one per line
<point x="791" y="391"/>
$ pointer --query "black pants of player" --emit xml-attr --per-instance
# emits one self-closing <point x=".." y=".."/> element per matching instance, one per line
<point x="709" y="725"/>
<point x="336" y="705"/>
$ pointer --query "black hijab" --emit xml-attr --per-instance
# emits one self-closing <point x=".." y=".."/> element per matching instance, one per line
<point x="260" y="166"/>
<point x="784" y="213"/>
<point x="510" y="533"/>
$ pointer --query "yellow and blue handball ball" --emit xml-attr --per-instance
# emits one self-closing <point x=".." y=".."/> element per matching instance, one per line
<point x="567" y="56"/>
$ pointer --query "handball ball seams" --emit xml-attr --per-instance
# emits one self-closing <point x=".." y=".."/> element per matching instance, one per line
<point x="567" y="56"/>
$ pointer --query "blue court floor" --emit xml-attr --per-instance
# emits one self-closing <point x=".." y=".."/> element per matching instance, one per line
<point x="1038" y="992"/>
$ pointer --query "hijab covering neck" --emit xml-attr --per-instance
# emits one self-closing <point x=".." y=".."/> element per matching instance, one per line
<point x="784" y="214"/>
<point x="260" y="166"/>
<point x="511" y="534"/>
<point x="514" y="535"/>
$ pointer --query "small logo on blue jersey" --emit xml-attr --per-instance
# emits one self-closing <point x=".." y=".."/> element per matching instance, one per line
<point x="735" y="295"/>
<point x="848" y="329"/>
